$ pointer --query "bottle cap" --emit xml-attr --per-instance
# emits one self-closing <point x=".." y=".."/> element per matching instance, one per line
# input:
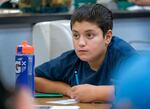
<point x="25" y="48"/>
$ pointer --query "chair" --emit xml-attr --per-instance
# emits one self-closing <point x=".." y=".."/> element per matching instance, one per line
<point x="50" y="39"/>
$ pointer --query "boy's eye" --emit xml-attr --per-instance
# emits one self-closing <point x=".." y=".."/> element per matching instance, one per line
<point x="76" y="36"/>
<point x="89" y="35"/>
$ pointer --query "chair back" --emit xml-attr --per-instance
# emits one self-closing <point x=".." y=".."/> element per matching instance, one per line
<point x="50" y="39"/>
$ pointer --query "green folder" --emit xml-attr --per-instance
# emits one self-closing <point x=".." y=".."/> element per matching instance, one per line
<point x="47" y="95"/>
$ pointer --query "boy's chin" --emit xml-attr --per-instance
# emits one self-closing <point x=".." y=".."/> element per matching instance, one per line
<point x="84" y="59"/>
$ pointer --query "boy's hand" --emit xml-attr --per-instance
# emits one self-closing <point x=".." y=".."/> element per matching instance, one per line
<point x="68" y="92"/>
<point x="83" y="93"/>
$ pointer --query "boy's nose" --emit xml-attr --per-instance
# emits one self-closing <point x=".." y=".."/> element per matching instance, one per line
<point x="82" y="42"/>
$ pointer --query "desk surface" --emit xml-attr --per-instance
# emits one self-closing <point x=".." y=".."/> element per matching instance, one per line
<point x="42" y="101"/>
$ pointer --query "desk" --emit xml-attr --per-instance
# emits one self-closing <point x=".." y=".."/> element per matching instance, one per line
<point x="42" y="101"/>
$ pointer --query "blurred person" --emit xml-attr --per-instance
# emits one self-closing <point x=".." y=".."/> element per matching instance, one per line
<point x="20" y="99"/>
<point x="4" y="95"/>
<point x="141" y="2"/>
<point x="133" y="85"/>
<point x="6" y="4"/>
<point x="24" y="100"/>
<point x="2" y="1"/>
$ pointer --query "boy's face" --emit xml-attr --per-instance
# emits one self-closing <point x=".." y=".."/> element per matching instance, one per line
<point x="88" y="41"/>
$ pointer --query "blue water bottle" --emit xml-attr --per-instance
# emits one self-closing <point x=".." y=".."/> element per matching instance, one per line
<point x="25" y="66"/>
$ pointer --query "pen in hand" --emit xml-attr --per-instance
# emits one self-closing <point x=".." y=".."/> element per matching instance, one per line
<point x="76" y="77"/>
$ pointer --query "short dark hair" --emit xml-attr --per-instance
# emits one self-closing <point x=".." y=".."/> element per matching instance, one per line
<point x="95" y="13"/>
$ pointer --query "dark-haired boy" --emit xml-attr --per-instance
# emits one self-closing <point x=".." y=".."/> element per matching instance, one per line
<point x="85" y="73"/>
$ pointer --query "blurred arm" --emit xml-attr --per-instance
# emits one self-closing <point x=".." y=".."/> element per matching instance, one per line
<point x="104" y="93"/>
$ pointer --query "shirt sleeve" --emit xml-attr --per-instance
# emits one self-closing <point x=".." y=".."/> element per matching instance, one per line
<point x="58" y="69"/>
<point x="52" y="69"/>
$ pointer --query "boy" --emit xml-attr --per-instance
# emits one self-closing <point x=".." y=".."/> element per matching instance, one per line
<point x="84" y="74"/>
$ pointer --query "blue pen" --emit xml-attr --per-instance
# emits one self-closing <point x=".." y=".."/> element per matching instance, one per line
<point x="76" y="77"/>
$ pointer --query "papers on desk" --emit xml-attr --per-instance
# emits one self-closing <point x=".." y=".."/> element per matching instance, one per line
<point x="138" y="8"/>
<point x="9" y="11"/>
<point x="56" y="107"/>
<point x="67" y="101"/>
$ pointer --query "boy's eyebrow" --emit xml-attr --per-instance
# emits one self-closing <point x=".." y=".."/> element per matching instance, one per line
<point x="90" y="30"/>
<point x="74" y="31"/>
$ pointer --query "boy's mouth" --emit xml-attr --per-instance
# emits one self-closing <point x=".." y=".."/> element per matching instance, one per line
<point x="82" y="51"/>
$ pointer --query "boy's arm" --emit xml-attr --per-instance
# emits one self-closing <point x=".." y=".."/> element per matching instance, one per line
<point x="92" y="93"/>
<point x="48" y="86"/>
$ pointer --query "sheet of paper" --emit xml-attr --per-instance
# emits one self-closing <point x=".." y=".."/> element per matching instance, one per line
<point x="67" y="101"/>
<point x="65" y="107"/>
<point x="56" y="107"/>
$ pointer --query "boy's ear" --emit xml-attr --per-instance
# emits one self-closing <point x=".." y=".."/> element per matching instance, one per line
<point x="108" y="37"/>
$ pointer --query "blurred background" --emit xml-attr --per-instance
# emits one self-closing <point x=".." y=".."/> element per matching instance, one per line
<point x="55" y="6"/>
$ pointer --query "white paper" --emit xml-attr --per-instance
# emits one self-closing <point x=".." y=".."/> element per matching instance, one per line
<point x="67" y="101"/>
<point x="56" y="107"/>
<point x="65" y="107"/>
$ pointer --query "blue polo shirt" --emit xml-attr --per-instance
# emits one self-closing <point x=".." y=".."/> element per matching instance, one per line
<point x="63" y="67"/>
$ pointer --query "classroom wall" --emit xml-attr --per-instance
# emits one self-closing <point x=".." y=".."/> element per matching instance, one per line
<point x="137" y="29"/>
<point x="10" y="36"/>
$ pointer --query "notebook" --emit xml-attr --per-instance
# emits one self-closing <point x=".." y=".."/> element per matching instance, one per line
<point x="47" y="95"/>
